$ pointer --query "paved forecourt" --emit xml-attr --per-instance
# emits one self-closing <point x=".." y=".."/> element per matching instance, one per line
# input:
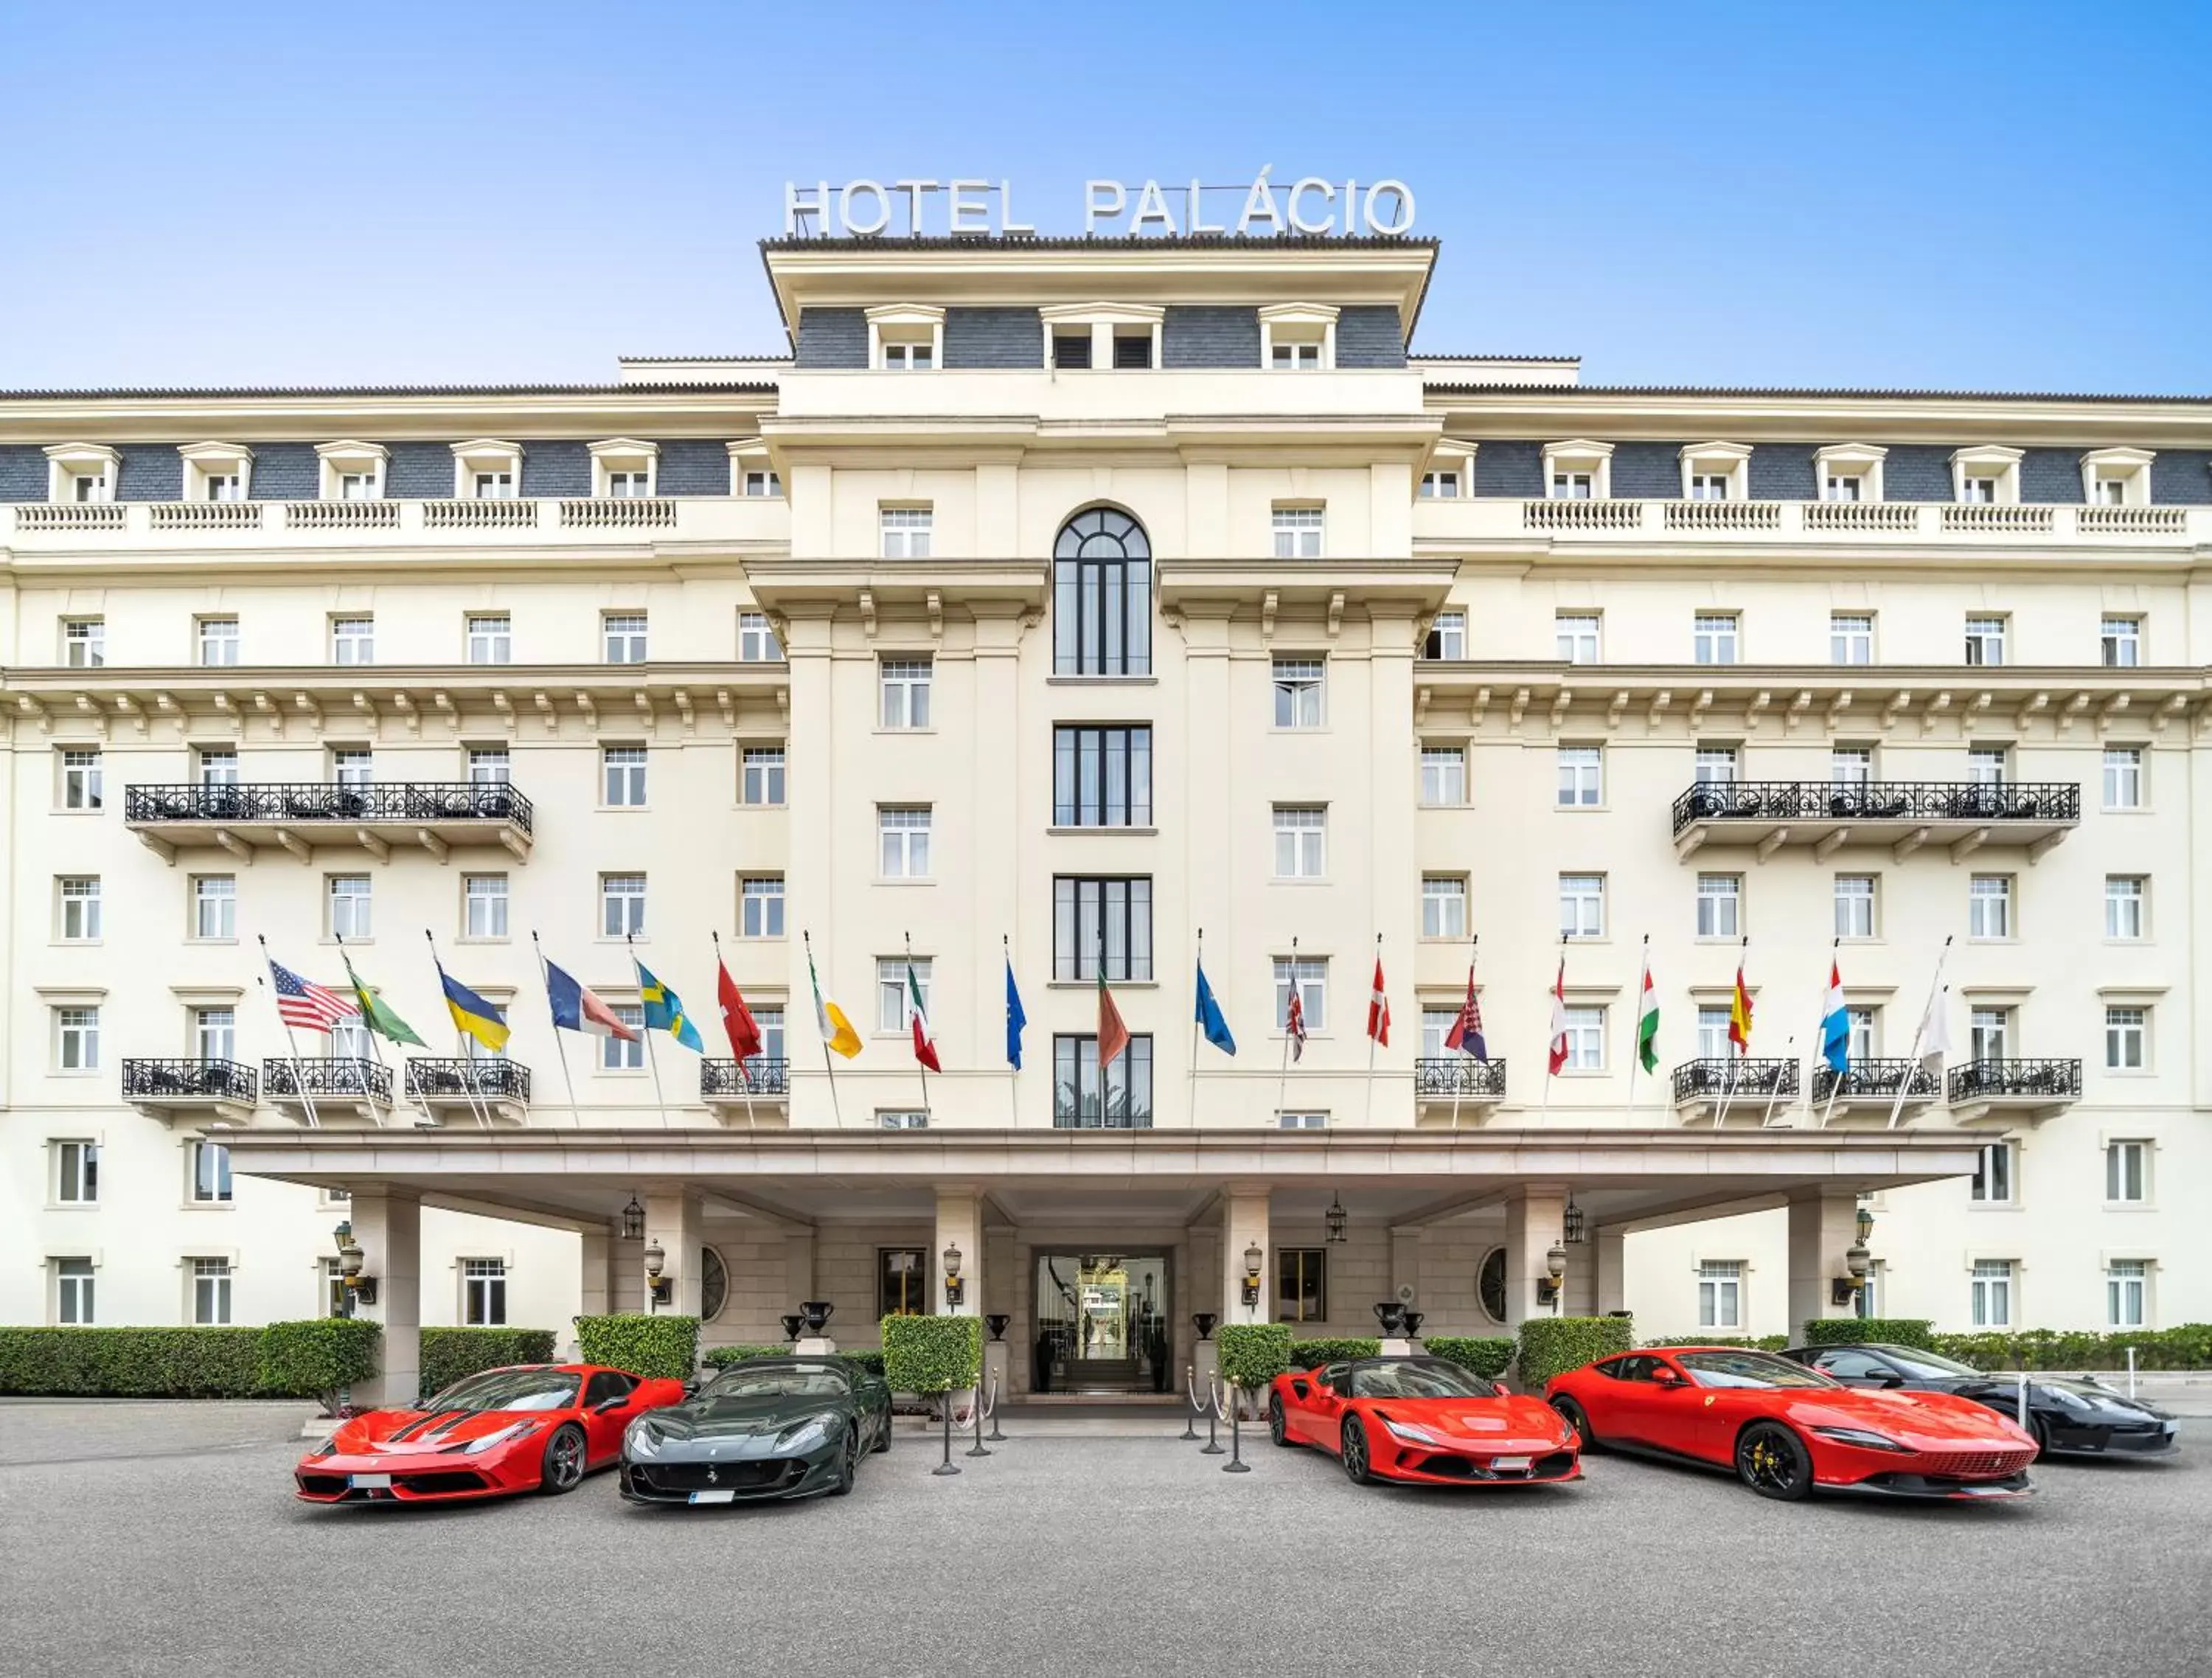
<point x="146" y="1538"/>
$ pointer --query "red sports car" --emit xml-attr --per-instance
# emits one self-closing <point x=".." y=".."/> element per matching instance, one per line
<point x="1787" y="1429"/>
<point x="1421" y="1419"/>
<point x="536" y="1427"/>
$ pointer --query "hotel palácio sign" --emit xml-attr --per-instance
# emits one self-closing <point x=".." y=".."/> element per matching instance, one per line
<point x="1310" y="205"/>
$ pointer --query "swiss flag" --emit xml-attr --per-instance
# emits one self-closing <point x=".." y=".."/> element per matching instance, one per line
<point x="737" y="1019"/>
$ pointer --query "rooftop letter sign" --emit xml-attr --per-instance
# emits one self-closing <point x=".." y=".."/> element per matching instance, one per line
<point x="1310" y="206"/>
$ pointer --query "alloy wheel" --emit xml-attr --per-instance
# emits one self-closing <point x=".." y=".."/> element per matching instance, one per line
<point x="564" y="1460"/>
<point x="1354" y="1452"/>
<point x="1770" y="1460"/>
<point x="1278" y="1427"/>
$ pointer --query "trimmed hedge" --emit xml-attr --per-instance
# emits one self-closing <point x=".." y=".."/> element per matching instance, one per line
<point x="309" y="1359"/>
<point x="933" y="1354"/>
<point x="646" y="1344"/>
<point x="721" y="1357"/>
<point x="448" y="1354"/>
<point x="1485" y="1356"/>
<point x="1551" y="1345"/>
<point x="1313" y="1353"/>
<point x="1252" y="1354"/>
<point x="2187" y="1347"/>
<point x="1849" y="1331"/>
<point x="1762" y="1343"/>
<point x="321" y="1356"/>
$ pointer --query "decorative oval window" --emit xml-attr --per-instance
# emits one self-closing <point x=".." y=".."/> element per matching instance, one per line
<point x="1490" y="1284"/>
<point x="714" y="1284"/>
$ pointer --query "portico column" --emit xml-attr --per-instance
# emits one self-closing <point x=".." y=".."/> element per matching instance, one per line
<point x="1823" y="1224"/>
<point x="596" y="1294"/>
<point x="671" y="1217"/>
<point x="1609" y="1258"/>
<point x="1535" y="1217"/>
<point x="388" y="1226"/>
<point x="960" y="1223"/>
<point x="1245" y="1214"/>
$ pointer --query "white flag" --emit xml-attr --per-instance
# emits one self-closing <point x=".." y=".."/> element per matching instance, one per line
<point x="1935" y="1031"/>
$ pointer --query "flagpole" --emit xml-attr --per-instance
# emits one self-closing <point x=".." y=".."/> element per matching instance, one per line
<point x="814" y="980"/>
<point x="299" y="1076"/>
<point x="1283" y="1080"/>
<point x="1198" y="967"/>
<point x="421" y="1104"/>
<point x="1737" y="1051"/>
<point x="560" y="1047"/>
<point x="919" y="1066"/>
<point x="1635" y="1042"/>
<point x="481" y="1110"/>
<point x="1013" y="1069"/>
<point x="652" y="1060"/>
<point x="1912" y="1055"/>
<point x="1773" y="1095"/>
<point x="1544" y="1110"/>
<point x="1473" y="943"/>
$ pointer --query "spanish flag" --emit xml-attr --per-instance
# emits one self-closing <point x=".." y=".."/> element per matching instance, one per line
<point x="474" y="1017"/>
<point x="836" y="1031"/>
<point x="1740" y="1013"/>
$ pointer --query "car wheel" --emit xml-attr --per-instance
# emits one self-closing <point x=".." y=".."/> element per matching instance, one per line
<point x="562" y="1468"/>
<point x="2041" y="1429"/>
<point x="848" y="1464"/>
<point x="1278" y="1427"/>
<point x="884" y="1435"/>
<point x="1572" y="1414"/>
<point x="1773" y="1462"/>
<point x="1353" y="1450"/>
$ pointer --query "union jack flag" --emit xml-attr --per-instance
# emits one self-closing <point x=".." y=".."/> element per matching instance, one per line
<point x="303" y="1003"/>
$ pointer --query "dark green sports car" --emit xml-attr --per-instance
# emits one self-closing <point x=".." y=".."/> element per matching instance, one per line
<point x="772" y="1427"/>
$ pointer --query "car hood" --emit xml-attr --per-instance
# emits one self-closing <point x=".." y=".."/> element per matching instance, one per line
<point x="1487" y="1419"/>
<point x="1929" y="1420"/>
<point x="384" y="1433"/>
<point x="2100" y="1397"/>
<point x="738" y="1417"/>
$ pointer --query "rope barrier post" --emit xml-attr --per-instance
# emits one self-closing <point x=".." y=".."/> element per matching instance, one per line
<point x="1212" y="1445"/>
<point x="1189" y="1434"/>
<point x="1236" y="1464"/>
<point x="997" y="1438"/>
<point x="947" y="1467"/>
<point x="978" y="1448"/>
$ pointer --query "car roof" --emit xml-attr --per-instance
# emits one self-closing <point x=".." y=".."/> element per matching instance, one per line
<point x="1855" y="1346"/>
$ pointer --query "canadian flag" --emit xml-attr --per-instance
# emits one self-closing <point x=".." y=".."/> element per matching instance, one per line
<point x="1378" y="1010"/>
<point x="1560" y="1019"/>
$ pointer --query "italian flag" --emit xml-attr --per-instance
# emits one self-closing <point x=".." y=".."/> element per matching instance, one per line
<point x="1647" y="1020"/>
<point x="925" y="1044"/>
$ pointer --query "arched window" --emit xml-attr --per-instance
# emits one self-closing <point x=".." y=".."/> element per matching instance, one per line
<point x="1101" y="596"/>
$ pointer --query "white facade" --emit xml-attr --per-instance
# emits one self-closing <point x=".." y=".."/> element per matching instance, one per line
<point x="1394" y="690"/>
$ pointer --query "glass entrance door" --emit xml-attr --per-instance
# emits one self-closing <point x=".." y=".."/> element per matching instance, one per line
<point x="1102" y="1324"/>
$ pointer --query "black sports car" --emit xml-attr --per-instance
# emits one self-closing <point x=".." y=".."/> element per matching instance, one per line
<point x="2066" y="1413"/>
<point x="773" y="1427"/>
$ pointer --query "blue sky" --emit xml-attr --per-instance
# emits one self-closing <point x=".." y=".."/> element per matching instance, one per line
<point x="1928" y="194"/>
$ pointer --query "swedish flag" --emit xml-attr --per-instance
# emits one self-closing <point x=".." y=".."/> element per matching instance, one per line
<point x="473" y="1015"/>
<point x="664" y="1010"/>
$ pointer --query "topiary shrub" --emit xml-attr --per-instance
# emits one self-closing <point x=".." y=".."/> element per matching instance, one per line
<point x="319" y="1356"/>
<point x="449" y="1355"/>
<point x="721" y="1357"/>
<point x="1252" y="1354"/>
<point x="132" y="1363"/>
<point x="647" y="1343"/>
<point x="1313" y="1353"/>
<point x="1849" y="1331"/>
<point x="1551" y="1345"/>
<point x="1485" y="1357"/>
<point x="933" y="1354"/>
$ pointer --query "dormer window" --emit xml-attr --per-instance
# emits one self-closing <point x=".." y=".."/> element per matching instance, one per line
<point x="1440" y="485"/>
<point x="81" y="472"/>
<point x="624" y="467"/>
<point x="2116" y="478"/>
<point x="217" y="471"/>
<point x="753" y="475"/>
<point x="1298" y="337"/>
<point x="906" y="337"/>
<point x="1579" y="471"/>
<point x="1985" y="477"/>
<point x="1124" y="337"/>
<point x="351" y="471"/>
<point x="1450" y="475"/>
<point x="1849" y="471"/>
<point x="1715" y="472"/>
<point x="486" y="470"/>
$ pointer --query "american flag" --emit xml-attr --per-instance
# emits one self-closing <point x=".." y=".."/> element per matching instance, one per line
<point x="1297" y="1027"/>
<point x="311" y="1006"/>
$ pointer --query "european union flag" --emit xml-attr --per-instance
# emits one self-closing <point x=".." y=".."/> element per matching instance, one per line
<point x="1209" y="1017"/>
<point x="1016" y="1018"/>
<point x="663" y="1010"/>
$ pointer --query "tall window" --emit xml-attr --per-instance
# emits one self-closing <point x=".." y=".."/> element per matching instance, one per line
<point x="1436" y="1031"/>
<point x="483" y="1292"/>
<point x="624" y="632"/>
<point x="1720" y="1293"/>
<point x="2127" y="1286"/>
<point x="1861" y="1045"/>
<point x="218" y="766"/>
<point x="211" y="1184"/>
<point x="1443" y="775"/>
<point x="1585" y="1039"/>
<point x="2124" y="905"/>
<point x="622" y="776"/>
<point x="79" y="907"/>
<point x="2124" y="777"/>
<point x="84" y="643"/>
<point x="215" y="907"/>
<point x="76" y="1039"/>
<point x="1992" y="1184"/>
<point x="1712" y="1033"/>
<point x="1582" y="905"/>
<point x="1851" y="765"/>
<point x="906" y="692"/>
<point x="761" y="907"/>
<point x="1582" y="784"/>
<point x="1989" y="906"/>
<point x="348" y="900"/>
<point x="617" y="1055"/>
<point x="1301" y="1284"/>
<point x="491" y="638"/>
<point x="2122" y="642"/>
<point x="1715" y="764"/>
<point x="1576" y="635"/>
<point x="1297" y="533"/>
<point x="1298" y="693"/>
<point x="2127" y="1173"/>
<point x="1854" y="905"/>
<point x="1300" y="834"/>
<point x="1989" y="1034"/>
<point x="1985" y="639"/>
<point x="1082" y="1100"/>
<point x="488" y="766"/>
<point x="214" y="1033"/>
<point x="211" y="1291"/>
<point x="77" y="1173"/>
<point x="906" y="532"/>
<point x="1851" y="637"/>
<point x="1102" y="776"/>
<point x="81" y="777"/>
<point x="1308" y="979"/>
<point x="2127" y="1039"/>
<point x="1992" y="1294"/>
<point x="353" y="765"/>
<point x="1447" y="636"/>
<point x="761" y="781"/>
<point x="893" y="1009"/>
<point x="1720" y="905"/>
<point x="483" y="899"/>
<point x="1714" y="638"/>
<point x="218" y="639"/>
<point x="903" y="832"/>
<point x="756" y="641"/>
<point x="353" y="640"/>
<point x="621" y="905"/>
<point x="1986" y="765"/>
<point x="1443" y="906"/>
<point x="73" y="1292"/>
<point x="1096" y="918"/>
<point x="771" y="1021"/>
<point x="1101" y="596"/>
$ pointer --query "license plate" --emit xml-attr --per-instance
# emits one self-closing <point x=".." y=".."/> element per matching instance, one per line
<point x="1508" y="1464"/>
<point x="369" y="1482"/>
<point x="713" y="1497"/>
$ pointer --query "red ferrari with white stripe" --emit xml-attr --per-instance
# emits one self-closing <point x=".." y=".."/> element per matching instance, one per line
<point x="1422" y="1419"/>
<point x="535" y="1427"/>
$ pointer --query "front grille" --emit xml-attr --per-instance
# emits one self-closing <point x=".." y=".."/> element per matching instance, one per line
<point x="726" y="1476"/>
<point x="1459" y="1468"/>
<point x="1975" y="1464"/>
<point x="449" y="1479"/>
<point x="322" y="1485"/>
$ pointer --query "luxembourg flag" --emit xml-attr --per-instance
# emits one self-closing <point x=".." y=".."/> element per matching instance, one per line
<point x="1836" y="1025"/>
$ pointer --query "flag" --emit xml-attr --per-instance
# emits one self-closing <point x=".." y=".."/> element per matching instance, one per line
<point x="379" y="1017"/>
<point x="474" y="1017"/>
<point x="1295" y="1025"/>
<point x="1113" y="1036"/>
<point x="1836" y="1025"/>
<point x="1559" y="1019"/>
<point x="1740" y="1013"/>
<point x="1378" y="1009"/>
<point x="925" y="1044"/>
<point x="303" y="1003"/>
<point x="1210" y="1019"/>
<point x="1647" y="1020"/>
<point x="664" y="1010"/>
<point x="1935" y="1031"/>
<point x="830" y="1019"/>
<point x="1466" y="1033"/>
<point x="577" y="1009"/>
<point x="737" y="1019"/>
<point x="1016" y="1018"/>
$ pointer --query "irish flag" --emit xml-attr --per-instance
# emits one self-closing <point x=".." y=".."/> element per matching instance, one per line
<point x="925" y="1044"/>
<point x="1647" y="1018"/>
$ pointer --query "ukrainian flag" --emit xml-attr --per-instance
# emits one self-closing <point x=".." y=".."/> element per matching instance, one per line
<point x="664" y="1010"/>
<point x="473" y="1014"/>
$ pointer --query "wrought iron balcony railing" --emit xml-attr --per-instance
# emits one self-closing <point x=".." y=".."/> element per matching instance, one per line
<point x="279" y="801"/>
<point x="1733" y="1077"/>
<point x="176" y="1079"/>
<point x="1876" y="1078"/>
<point x="761" y="1076"/>
<point x="1461" y="1077"/>
<point x="1879" y="801"/>
<point x="460" y="1075"/>
<point x="339" y="1076"/>
<point x="1980" y="1080"/>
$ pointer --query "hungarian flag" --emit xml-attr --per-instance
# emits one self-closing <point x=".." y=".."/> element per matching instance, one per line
<point x="924" y="1045"/>
<point x="1740" y="1013"/>
<point x="1113" y="1036"/>
<point x="1559" y="1019"/>
<point x="737" y="1019"/>
<point x="1647" y="1020"/>
<point x="1378" y="1010"/>
<point x="1296" y="1026"/>
<point x="1466" y="1033"/>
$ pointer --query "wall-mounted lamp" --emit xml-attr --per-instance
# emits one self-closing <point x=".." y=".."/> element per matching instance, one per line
<point x="360" y="1287"/>
<point x="658" y="1289"/>
<point x="1845" y="1290"/>
<point x="1555" y="1268"/>
<point x="955" y="1289"/>
<point x="1572" y="1223"/>
<point x="1254" y="1258"/>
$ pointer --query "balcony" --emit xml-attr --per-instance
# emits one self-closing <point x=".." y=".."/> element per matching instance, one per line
<point x="748" y="1089"/>
<point x="2011" y="1090"/>
<point x="1869" y="1089"/>
<point x="63" y="527"/>
<point x="465" y="1087"/>
<point x="1445" y="1084"/>
<point x="1749" y="1089"/>
<point x="1904" y="815"/>
<point x="1771" y="524"/>
<point x="301" y="816"/>
<point x="338" y="1089"/>
<point x="192" y="1089"/>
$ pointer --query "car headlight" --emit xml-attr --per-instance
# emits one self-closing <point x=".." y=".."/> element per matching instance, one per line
<point x="1861" y="1438"/>
<point x="1413" y="1434"/>
<point x="642" y="1441"/>
<point x="513" y="1430"/>
<point x="803" y="1436"/>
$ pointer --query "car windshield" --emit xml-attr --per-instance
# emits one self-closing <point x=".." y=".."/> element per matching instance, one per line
<point x="510" y="1389"/>
<point x="781" y="1381"/>
<point x="1416" y="1378"/>
<point x="1929" y="1365"/>
<point x="1748" y="1369"/>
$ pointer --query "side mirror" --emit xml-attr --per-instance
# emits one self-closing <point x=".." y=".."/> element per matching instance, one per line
<point x="1664" y="1377"/>
<point x="1892" y="1383"/>
<point x="1499" y="1387"/>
